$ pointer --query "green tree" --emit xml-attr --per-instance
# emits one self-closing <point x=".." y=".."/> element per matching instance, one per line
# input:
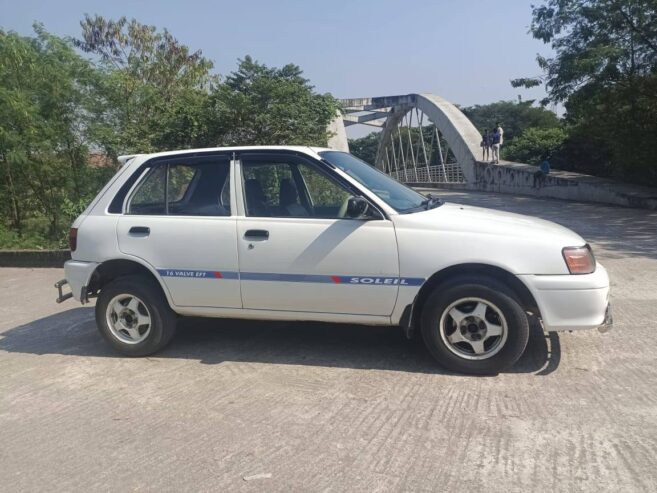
<point x="44" y="87"/>
<point x="514" y="117"/>
<point x="143" y="92"/>
<point x="605" y="72"/>
<point x="365" y="147"/>
<point x="153" y="92"/>
<point x="260" y="105"/>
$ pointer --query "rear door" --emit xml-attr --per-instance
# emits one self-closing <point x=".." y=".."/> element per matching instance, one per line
<point x="179" y="219"/>
<point x="298" y="251"/>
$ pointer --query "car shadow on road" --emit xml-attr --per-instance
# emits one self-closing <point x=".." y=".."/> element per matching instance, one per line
<point x="213" y="341"/>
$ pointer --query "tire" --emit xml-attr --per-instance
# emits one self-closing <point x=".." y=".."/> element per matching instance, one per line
<point x="135" y="328"/>
<point x="461" y="340"/>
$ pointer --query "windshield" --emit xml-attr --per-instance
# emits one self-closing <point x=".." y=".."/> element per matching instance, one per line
<point x="398" y="196"/>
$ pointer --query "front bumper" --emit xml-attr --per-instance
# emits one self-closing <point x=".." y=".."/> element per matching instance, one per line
<point x="78" y="274"/>
<point x="572" y="302"/>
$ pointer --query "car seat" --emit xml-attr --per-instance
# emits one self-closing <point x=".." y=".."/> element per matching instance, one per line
<point x="256" y="201"/>
<point x="288" y="199"/>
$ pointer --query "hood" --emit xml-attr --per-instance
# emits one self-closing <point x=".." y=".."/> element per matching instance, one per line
<point x="482" y="221"/>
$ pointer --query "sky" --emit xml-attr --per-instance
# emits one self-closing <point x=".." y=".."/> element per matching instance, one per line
<point x="466" y="51"/>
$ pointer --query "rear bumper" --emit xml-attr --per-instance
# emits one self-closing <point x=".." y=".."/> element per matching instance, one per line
<point x="572" y="302"/>
<point x="78" y="274"/>
<point x="608" y="323"/>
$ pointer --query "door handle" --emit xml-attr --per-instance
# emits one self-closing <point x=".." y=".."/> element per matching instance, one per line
<point x="140" y="231"/>
<point x="256" y="234"/>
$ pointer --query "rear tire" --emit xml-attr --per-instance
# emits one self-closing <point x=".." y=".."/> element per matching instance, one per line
<point x="134" y="317"/>
<point x="474" y="325"/>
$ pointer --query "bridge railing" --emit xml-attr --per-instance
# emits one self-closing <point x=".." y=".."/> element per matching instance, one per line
<point x="447" y="173"/>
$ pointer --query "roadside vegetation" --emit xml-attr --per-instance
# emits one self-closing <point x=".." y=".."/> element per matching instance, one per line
<point x="70" y="107"/>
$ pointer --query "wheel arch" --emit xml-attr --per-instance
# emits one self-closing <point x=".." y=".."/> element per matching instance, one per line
<point x="119" y="267"/>
<point x="524" y="295"/>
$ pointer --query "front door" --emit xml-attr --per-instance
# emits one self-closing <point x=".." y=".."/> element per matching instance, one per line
<point x="179" y="220"/>
<point x="298" y="251"/>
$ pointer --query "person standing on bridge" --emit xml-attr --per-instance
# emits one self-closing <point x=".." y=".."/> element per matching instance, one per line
<point x="498" y="140"/>
<point x="486" y="141"/>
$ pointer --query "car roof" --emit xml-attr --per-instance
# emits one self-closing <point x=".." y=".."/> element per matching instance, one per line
<point x="304" y="149"/>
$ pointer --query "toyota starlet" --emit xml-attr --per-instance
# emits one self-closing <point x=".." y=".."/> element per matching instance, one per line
<point x="310" y="234"/>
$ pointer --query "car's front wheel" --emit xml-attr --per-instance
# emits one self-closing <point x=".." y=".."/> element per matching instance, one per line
<point x="134" y="317"/>
<point x="475" y="326"/>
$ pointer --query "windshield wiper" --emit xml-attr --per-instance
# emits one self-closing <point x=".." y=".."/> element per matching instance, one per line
<point x="431" y="202"/>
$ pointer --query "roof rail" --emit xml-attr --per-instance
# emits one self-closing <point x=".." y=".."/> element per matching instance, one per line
<point x="126" y="158"/>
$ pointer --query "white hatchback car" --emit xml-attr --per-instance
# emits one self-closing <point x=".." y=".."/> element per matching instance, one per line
<point x="299" y="233"/>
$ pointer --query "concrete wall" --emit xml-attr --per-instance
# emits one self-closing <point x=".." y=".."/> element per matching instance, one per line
<point x="521" y="179"/>
<point x="34" y="258"/>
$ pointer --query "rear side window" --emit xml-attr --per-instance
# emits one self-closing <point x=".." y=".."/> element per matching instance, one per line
<point x="149" y="197"/>
<point x="184" y="189"/>
<point x="180" y="178"/>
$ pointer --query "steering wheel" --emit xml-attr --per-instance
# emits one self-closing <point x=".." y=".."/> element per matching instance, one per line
<point x="342" y="213"/>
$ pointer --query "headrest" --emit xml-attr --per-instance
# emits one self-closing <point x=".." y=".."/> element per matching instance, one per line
<point x="288" y="193"/>
<point x="254" y="190"/>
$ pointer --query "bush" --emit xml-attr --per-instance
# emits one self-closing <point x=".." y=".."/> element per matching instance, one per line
<point x="535" y="145"/>
<point x="10" y="240"/>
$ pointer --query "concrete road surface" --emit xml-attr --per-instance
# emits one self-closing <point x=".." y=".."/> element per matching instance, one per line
<point x="234" y="406"/>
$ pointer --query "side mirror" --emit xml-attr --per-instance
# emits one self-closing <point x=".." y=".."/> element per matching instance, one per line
<point x="357" y="207"/>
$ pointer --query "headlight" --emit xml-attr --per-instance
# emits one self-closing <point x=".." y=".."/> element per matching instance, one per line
<point x="580" y="260"/>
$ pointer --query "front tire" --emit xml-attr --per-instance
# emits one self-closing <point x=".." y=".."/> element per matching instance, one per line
<point x="475" y="326"/>
<point x="133" y="316"/>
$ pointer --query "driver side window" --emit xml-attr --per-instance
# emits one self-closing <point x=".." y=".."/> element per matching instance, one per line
<point x="326" y="196"/>
<point x="282" y="188"/>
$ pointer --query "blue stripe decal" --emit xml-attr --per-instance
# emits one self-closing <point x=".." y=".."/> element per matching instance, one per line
<point x="198" y="274"/>
<point x="313" y="278"/>
<point x="266" y="276"/>
<point x="304" y="278"/>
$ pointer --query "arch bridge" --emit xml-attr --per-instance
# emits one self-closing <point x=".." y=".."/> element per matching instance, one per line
<point x="426" y="140"/>
<point x="423" y="137"/>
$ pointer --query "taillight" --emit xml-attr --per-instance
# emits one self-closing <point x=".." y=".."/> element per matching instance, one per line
<point x="579" y="260"/>
<point x="73" y="239"/>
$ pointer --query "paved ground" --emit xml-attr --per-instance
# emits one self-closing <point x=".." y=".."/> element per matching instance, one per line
<point x="334" y="408"/>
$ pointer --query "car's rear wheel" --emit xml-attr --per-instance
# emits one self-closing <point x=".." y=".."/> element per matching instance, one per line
<point x="474" y="325"/>
<point x="134" y="317"/>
